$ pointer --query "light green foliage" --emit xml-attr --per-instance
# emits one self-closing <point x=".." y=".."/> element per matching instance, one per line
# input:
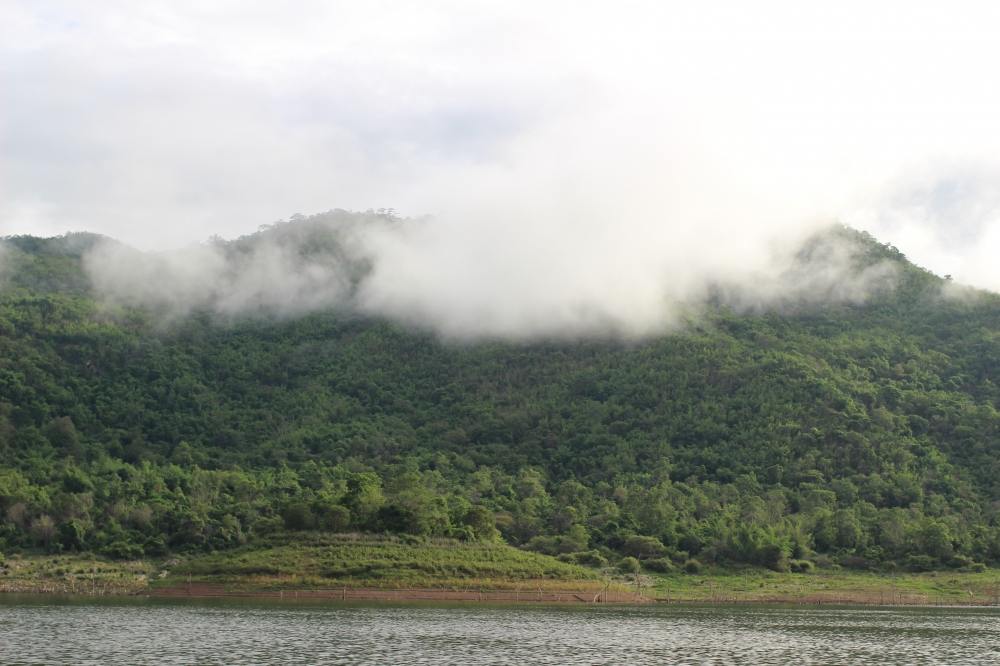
<point x="326" y="560"/>
<point x="629" y="565"/>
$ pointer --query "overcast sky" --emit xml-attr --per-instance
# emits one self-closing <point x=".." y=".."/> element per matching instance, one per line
<point x="700" y="125"/>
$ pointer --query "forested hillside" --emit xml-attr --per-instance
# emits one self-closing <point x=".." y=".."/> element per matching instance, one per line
<point x="860" y="434"/>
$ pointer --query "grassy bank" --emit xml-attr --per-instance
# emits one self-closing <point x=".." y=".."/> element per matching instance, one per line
<point x="370" y="566"/>
<point x="75" y="574"/>
<point x="831" y="586"/>
<point x="318" y="560"/>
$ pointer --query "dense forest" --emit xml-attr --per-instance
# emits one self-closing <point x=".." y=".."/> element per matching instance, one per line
<point x="816" y="434"/>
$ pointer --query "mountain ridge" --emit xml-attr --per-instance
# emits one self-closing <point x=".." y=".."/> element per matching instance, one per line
<point x="862" y="432"/>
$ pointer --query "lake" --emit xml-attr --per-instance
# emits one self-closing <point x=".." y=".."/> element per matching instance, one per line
<point x="41" y="630"/>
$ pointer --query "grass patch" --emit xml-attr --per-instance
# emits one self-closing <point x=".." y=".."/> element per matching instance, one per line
<point x="322" y="560"/>
<point x="826" y="586"/>
<point x="74" y="574"/>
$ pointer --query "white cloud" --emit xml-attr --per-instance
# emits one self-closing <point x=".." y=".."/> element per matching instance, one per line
<point x="601" y="156"/>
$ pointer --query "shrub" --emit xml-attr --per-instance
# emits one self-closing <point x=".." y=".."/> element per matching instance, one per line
<point x="268" y="525"/>
<point x="43" y="529"/>
<point x="643" y="547"/>
<point x="692" y="566"/>
<point x="298" y="516"/>
<point x="801" y="566"/>
<point x="412" y="539"/>
<point x="773" y="556"/>
<point x="398" y="519"/>
<point x="856" y="562"/>
<point x="461" y="533"/>
<point x="155" y="546"/>
<point x="659" y="565"/>
<point x="482" y="523"/>
<point x="334" y="517"/>
<point x="960" y="562"/>
<point x="629" y="565"/>
<point x="123" y="550"/>
<point x="549" y="545"/>
<point x="920" y="563"/>
<point x="824" y="562"/>
<point x="587" y="558"/>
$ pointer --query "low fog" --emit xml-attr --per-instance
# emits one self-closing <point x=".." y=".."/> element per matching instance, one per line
<point x="416" y="272"/>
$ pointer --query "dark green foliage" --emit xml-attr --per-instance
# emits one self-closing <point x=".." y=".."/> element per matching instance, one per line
<point x="588" y="558"/>
<point x="298" y="516"/>
<point x="659" y="565"/>
<point x="861" y="435"/>
<point x="643" y="547"/>
<point x="482" y="523"/>
<point x="334" y="518"/>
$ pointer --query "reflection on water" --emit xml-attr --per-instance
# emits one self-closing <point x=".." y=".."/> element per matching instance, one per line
<point x="45" y="632"/>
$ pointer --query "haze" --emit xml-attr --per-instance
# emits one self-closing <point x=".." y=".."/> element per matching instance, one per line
<point x="579" y="163"/>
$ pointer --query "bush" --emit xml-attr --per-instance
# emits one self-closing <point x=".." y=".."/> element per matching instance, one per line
<point x="398" y="519"/>
<point x="773" y="556"/>
<point x="548" y="545"/>
<point x="556" y="545"/>
<point x="967" y="564"/>
<point x="412" y="539"/>
<point x="268" y="525"/>
<point x="643" y="547"/>
<point x="692" y="566"/>
<point x="298" y="516"/>
<point x="629" y="565"/>
<point x="692" y="543"/>
<point x="801" y="566"/>
<point x="461" y="533"/>
<point x="72" y="534"/>
<point x="334" y="517"/>
<point x="155" y="546"/>
<point x="824" y="562"/>
<point x="659" y="565"/>
<point x="123" y="550"/>
<point x="920" y="563"/>
<point x="856" y="562"/>
<point x="587" y="558"/>
<point x="482" y="523"/>
<point x="960" y="562"/>
<point x="680" y="556"/>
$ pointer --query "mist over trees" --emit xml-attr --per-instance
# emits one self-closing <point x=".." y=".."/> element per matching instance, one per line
<point x="849" y="416"/>
<point x="428" y="274"/>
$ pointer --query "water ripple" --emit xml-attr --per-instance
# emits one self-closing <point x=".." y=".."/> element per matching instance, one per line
<point x="147" y="632"/>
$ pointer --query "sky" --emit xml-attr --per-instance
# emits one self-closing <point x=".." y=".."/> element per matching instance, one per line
<point x="606" y="148"/>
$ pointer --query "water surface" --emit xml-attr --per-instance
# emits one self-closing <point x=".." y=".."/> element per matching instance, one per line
<point x="45" y="631"/>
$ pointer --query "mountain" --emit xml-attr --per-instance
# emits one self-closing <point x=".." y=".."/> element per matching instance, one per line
<point x="861" y="431"/>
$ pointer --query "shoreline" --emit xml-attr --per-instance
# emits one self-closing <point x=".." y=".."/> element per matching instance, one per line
<point x="347" y="593"/>
<point x="563" y="597"/>
<point x="395" y="573"/>
<point x="202" y="591"/>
